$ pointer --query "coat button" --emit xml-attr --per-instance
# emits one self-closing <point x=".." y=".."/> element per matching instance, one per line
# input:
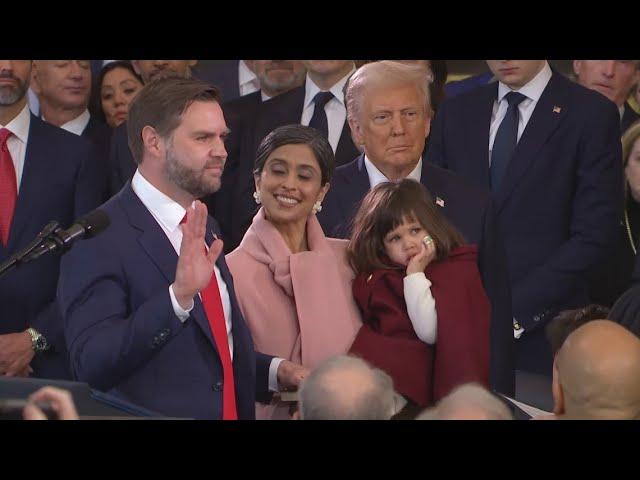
<point x="217" y="386"/>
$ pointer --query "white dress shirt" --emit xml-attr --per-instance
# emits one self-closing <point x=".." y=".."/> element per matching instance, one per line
<point x="335" y="108"/>
<point x="168" y="213"/>
<point x="532" y="90"/>
<point x="376" y="176"/>
<point x="78" y="124"/>
<point x="17" y="143"/>
<point x="248" y="81"/>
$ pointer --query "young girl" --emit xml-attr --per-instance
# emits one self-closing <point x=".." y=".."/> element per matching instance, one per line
<point x="425" y="313"/>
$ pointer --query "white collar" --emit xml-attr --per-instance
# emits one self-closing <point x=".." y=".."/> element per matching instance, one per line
<point x="19" y="125"/>
<point x="166" y="210"/>
<point x="78" y="124"/>
<point x="376" y="176"/>
<point x="533" y="89"/>
<point x="245" y="74"/>
<point x="311" y="89"/>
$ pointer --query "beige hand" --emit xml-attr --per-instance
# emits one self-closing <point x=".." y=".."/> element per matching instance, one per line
<point x="16" y="354"/>
<point x="195" y="264"/>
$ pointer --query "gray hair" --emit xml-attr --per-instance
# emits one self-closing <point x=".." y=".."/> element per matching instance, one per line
<point x="470" y="401"/>
<point x="346" y="388"/>
<point x="384" y="74"/>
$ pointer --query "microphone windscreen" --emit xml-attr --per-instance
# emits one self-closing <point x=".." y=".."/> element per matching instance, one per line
<point x="94" y="222"/>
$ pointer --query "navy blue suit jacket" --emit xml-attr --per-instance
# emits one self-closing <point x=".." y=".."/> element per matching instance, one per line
<point x="121" y="163"/>
<point x="123" y="335"/>
<point x="224" y="74"/>
<point x="99" y="133"/>
<point x="559" y="203"/>
<point x="470" y="210"/>
<point x="60" y="182"/>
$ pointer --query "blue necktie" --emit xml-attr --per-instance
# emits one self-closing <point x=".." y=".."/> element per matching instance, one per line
<point x="506" y="140"/>
<point x="319" y="118"/>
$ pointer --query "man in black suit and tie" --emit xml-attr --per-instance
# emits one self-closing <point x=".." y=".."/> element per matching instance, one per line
<point x="549" y="150"/>
<point x="614" y="79"/>
<point x="46" y="174"/>
<point x="389" y="112"/>
<point x="120" y="158"/>
<point x="63" y="90"/>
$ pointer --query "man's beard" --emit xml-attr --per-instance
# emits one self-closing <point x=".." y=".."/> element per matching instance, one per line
<point x="189" y="180"/>
<point x="9" y="95"/>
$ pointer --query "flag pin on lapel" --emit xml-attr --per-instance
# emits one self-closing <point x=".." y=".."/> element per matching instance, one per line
<point x="557" y="109"/>
<point x="439" y="202"/>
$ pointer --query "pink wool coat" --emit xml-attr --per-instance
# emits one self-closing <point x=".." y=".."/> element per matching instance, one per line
<point x="297" y="306"/>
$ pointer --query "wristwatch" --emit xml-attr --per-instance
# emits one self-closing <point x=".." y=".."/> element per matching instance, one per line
<point x="38" y="341"/>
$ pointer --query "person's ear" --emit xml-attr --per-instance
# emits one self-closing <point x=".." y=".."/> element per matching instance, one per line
<point x="152" y="142"/>
<point x="556" y="390"/>
<point x="577" y="65"/>
<point x="33" y="84"/>
<point x="323" y="192"/>
<point x="356" y="132"/>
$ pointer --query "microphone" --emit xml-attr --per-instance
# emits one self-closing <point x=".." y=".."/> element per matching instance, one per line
<point x="87" y="226"/>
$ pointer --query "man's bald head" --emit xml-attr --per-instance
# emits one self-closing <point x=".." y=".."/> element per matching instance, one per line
<point x="598" y="373"/>
<point x="346" y="388"/>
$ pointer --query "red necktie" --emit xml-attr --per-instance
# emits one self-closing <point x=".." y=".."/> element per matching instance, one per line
<point x="215" y="314"/>
<point x="8" y="187"/>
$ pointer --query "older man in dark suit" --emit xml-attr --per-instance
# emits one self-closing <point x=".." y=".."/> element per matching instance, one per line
<point x="550" y="152"/>
<point x="389" y="113"/>
<point x="45" y="174"/>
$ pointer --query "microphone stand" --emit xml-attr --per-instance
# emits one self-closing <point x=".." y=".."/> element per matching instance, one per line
<point x="24" y="255"/>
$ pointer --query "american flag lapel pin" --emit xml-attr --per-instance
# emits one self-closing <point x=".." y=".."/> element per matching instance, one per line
<point x="439" y="202"/>
<point x="557" y="109"/>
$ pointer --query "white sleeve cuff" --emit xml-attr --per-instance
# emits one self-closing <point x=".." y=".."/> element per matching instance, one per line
<point x="180" y="312"/>
<point x="273" y="374"/>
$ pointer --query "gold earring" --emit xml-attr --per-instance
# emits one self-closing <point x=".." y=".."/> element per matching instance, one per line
<point x="317" y="207"/>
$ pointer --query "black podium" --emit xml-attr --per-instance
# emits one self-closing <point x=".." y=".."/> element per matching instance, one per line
<point x="91" y="404"/>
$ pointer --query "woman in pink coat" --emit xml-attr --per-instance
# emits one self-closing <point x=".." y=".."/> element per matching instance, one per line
<point x="294" y="284"/>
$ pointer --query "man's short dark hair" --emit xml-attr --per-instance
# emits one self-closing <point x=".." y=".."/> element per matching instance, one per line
<point x="160" y="104"/>
<point x="569" y="320"/>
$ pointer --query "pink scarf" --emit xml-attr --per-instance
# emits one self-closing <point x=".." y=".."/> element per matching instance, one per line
<point x="317" y="281"/>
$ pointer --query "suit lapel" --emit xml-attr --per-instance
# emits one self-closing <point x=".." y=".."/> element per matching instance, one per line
<point x="479" y="122"/>
<point x="346" y="151"/>
<point x="358" y="180"/>
<point x="157" y="246"/>
<point x="38" y="162"/>
<point x="547" y="115"/>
